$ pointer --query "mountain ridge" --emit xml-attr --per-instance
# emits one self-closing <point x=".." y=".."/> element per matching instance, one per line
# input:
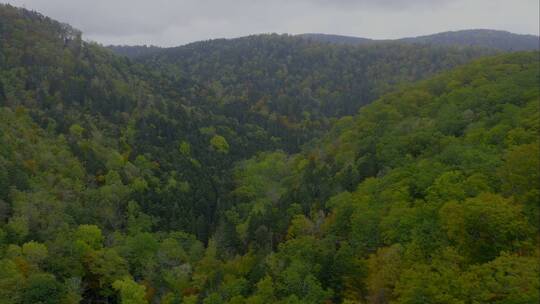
<point x="183" y="177"/>
<point x="487" y="38"/>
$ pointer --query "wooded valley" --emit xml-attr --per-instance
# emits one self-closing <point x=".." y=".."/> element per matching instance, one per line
<point x="266" y="169"/>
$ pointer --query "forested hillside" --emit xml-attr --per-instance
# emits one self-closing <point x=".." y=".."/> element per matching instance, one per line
<point x="429" y="195"/>
<point x="240" y="171"/>
<point x="482" y="38"/>
<point x="293" y="88"/>
<point x="194" y="111"/>
<point x="134" y="51"/>
<point x="339" y="39"/>
<point x="501" y="40"/>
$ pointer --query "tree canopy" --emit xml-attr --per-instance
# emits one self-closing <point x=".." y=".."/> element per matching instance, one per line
<point x="266" y="169"/>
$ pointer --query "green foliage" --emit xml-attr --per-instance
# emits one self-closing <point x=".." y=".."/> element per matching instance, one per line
<point x="89" y="236"/>
<point x="507" y="279"/>
<point x="106" y="267"/>
<point x="169" y="178"/>
<point x="76" y="130"/>
<point x="219" y="143"/>
<point x="130" y="292"/>
<point x="484" y="226"/>
<point x="42" y="289"/>
<point x="11" y="282"/>
<point x="34" y="252"/>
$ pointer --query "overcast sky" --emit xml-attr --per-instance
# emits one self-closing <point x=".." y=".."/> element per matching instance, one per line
<point x="171" y="23"/>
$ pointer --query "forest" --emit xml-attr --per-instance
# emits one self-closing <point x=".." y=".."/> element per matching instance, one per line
<point x="266" y="169"/>
<point x="485" y="38"/>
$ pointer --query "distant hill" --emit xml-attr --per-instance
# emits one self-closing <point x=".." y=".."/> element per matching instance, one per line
<point x="338" y="39"/>
<point x="500" y="40"/>
<point x="134" y="51"/>
<point x="492" y="39"/>
<point x="205" y="173"/>
<point x="291" y="86"/>
<point x="218" y="101"/>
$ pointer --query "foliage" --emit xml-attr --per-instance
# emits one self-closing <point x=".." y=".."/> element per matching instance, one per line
<point x="172" y="178"/>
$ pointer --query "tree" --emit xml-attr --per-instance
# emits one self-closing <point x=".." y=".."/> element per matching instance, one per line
<point x="11" y="282"/>
<point x="520" y="171"/>
<point x="43" y="289"/>
<point x="384" y="270"/>
<point x="437" y="282"/>
<point x="507" y="279"/>
<point x="219" y="144"/>
<point x="17" y="228"/>
<point x="521" y="179"/>
<point x="34" y="252"/>
<point x="483" y="226"/>
<point x="89" y="237"/>
<point x="105" y="162"/>
<point x="140" y="251"/>
<point x="130" y="292"/>
<point x="105" y="267"/>
<point x="264" y="293"/>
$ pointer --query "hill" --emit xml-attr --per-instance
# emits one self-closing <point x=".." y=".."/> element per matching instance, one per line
<point x="205" y="173"/>
<point x="338" y="39"/>
<point x="293" y="88"/>
<point x="134" y="51"/>
<point x="193" y="111"/>
<point x="483" y="38"/>
<point x="428" y="193"/>
<point x="500" y="40"/>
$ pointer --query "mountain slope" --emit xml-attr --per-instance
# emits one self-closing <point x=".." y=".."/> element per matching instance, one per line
<point x="493" y="39"/>
<point x="151" y="182"/>
<point x="500" y="40"/>
<point x="196" y="110"/>
<point x="134" y="51"/>
<point x="426" y="194"/>
<point x="292" y="87"/>
<point x="338" y="39"/>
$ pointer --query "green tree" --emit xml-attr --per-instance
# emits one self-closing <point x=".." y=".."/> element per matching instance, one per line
<point x="89" y="237"/>
<point x="105" y="267"/>
<point x="130" y="292"/>
<point x="438" y="282"/>
<point x="384" y="271"/>
<point x="11" y="282"/>
<point x="484" y="226"/>
<point x="507" y="279"/>
<point x="220" y="144"/>
<point x="42" y="289"/>
<point x="34" y="252"/>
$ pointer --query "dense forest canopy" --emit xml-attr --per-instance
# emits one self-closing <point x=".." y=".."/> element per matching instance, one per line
<point x="134" y="51"/>
<point x="222" y="101"/>
<point x="501" y="40"/>
<point x="483" y="38"/>
<point x="265" y="169"/>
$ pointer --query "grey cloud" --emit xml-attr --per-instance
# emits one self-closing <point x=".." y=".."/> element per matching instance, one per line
<point x="174" y="22"/>
<point x="386" y="4"/>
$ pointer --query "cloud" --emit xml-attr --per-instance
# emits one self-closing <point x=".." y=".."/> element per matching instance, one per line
<point x="174" y="22"/>
<point x="384" y="4"/>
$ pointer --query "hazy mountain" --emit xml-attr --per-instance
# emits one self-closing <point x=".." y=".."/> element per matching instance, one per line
<point x="338" y="39"/>
<point x="265" y="169"/>
<point x="500" y="40"/>
<point x="293" y="87"/>
<point x="252" y="94"/>
<point x="134" y="51"/>
<point x="483" y="38"/>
